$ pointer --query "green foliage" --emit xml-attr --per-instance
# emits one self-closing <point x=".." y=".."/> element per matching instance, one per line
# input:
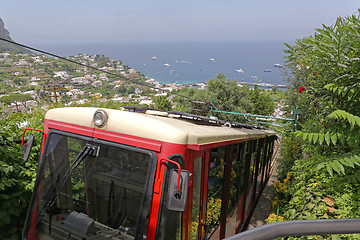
<point x="162" y="103"/>
<point x="263" y="103"/>
<point x="17" y="177"/>
<point x="342" y="137"/>
<point x="184" y="96"/>
<point x="15" y="97"/>
<point x="213" y="211"/>
<point x="8" y="47"/>
<point x="316" y="195"/>
<point x="226" y="96"/>
<point x="326" y="184"/>
<point x="327" y="65"/>
<point x="291" y="150"/>
<point x="348" y="117"/>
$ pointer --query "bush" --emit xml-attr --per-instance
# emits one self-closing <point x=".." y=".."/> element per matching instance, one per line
<point x="17" y="177"/>
<point x="291" y="150"/>
<point x="317" y="195"/>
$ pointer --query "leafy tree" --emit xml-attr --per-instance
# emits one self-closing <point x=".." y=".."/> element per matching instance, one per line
<point x="18" y="81"/>
<point x="263" y="103"/>
<point x="131" y="90"/>
<point x="121" y="89"/>
<point x="275" y="89"/>
<point x="162" y="103"/>
<point x="16" y="98"/>
<point x="228" y="96"/>
<point x="184" y="97"/>
<point x="328" y="66"/>
<point x="225" y="94"/>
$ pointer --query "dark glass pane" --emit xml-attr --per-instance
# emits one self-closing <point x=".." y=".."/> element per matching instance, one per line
<point x="108" y="188"/>
<point x="196" y="198"/>
<point x="217" y="164"/>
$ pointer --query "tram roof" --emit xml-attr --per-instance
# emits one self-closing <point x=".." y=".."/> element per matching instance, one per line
<point x="155" y="125"/>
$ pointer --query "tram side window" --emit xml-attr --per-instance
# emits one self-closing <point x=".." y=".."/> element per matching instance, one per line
<point x="234" y="179"/>
<point x="251" y="146"/>
<point x="242" y="159"/>
<point x="196" y="197"/>
<point x="217" y="164"/>
<point x="236" y="187"/>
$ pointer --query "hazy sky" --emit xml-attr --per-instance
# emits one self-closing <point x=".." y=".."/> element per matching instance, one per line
<point x="41" y="21"/>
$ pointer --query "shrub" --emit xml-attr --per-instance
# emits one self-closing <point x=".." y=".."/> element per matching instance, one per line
<point x="291" y="150"/>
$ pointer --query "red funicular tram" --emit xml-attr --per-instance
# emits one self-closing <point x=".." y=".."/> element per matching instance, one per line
<point x="111" y="174"/>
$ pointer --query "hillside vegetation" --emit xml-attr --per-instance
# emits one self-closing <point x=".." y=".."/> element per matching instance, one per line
<point x="325" y="178"/>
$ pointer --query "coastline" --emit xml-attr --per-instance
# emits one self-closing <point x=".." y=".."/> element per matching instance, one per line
<point x="189" y="62"/>
<point x="251" y="85"/>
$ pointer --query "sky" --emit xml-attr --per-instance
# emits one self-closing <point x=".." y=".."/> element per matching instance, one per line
<point x="69" y="21"/>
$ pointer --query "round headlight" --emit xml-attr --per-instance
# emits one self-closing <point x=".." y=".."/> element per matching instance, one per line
<point x="100" y="118"/>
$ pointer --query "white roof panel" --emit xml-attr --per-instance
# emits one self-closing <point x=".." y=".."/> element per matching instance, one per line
<point x="161" y="128"/>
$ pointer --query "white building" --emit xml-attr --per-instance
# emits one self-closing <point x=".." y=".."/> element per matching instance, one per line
<point x="62" y="74"/>
<point x="35" y="79"/>
<point x="97" y="83"/>
<point x="4" y="54"/>
<point x="146" y="102"/>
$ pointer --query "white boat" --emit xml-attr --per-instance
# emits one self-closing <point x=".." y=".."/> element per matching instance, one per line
<point x="267" y="70"/>
<point x="278" y="65"/>
<point x="239" y="70"/>
<point x="154" y="58"/>
<point x="167" y="65"/>
<point x="212" y="60"/>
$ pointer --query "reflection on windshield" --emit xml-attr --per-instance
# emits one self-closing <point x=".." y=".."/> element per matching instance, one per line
<point x="103" y="195"/>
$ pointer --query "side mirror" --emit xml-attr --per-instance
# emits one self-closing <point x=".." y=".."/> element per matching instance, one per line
<point x="177" y="191"/>
<point x="27" y="147"/>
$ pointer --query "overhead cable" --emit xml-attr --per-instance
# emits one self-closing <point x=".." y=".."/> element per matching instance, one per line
<point x="63" y="58"/>
<point x="88" y="66"/>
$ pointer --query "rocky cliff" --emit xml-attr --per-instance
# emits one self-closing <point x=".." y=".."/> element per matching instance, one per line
<point x="4" y="33"/>
<point x="8" y="47"/>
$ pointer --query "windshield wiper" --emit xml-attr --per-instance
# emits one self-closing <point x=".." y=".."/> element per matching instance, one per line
<point x="88" y="150"/>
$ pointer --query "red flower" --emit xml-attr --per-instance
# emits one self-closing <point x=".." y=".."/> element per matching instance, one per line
<point x="315" y="74"/>
<point x="301" y="89"/>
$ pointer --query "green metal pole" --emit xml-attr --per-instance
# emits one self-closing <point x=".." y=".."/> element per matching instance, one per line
<point x="211" y="108"/>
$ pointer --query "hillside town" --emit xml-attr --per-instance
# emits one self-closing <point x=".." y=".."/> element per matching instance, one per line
<point x="51" y="80"/>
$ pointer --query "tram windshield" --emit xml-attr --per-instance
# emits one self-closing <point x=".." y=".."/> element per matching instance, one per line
<point x="91" y="189"/>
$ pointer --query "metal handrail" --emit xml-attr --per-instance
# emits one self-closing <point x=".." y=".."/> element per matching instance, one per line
<point x="300" y="228"/>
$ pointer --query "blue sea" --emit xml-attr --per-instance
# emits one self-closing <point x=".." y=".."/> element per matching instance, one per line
<point x="189" y="62"/>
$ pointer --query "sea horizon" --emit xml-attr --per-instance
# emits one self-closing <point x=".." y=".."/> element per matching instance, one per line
<point x="190" y="61"/>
